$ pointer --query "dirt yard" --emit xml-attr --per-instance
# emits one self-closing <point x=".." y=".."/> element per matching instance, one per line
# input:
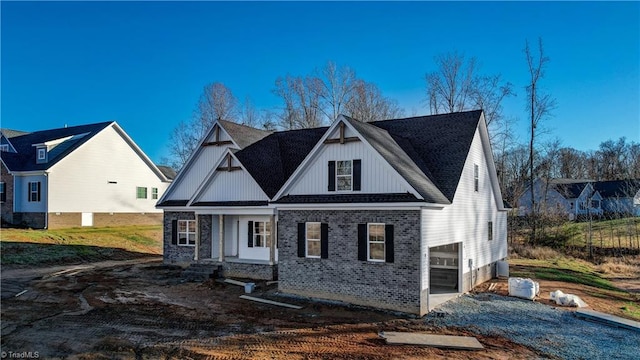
<point x="143" y="311"/>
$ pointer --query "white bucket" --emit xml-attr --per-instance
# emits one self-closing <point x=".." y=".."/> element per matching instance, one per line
<point x="249" y="287"/>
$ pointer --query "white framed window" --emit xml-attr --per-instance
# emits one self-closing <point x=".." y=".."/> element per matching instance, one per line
<point x="141" y="192"/>
<point x="376" y="242"/>
<point x="313" y="240"/>
<point x="476" y="177"/>
<point x="4" y="147"/>
<point x="261" y="233"/>
<point x="3" y="192"/>
<point x="34" y="191"/>
<point x="42" y="154"/>
<point x="187" y="232"/>
<point x="344" y="175"/>
<point x="490" y="230"/>
<point x="154" y="193"/>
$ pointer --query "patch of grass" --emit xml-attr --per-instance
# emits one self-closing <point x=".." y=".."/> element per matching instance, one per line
<point x="631" y="309"/>
<point x="44" y="247"/>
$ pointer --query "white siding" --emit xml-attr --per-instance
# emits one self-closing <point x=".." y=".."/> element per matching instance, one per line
<point x="466" y="219"/>
<point x="80" y="181"/>
<point x="377" y="175"/>
<point x="204" y="160"/>
<point x="235" y="185"/>
<point x="21" y="200"/>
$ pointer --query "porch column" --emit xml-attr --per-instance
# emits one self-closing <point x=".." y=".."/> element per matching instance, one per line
<point x="221" y="237"/>
<point x="274" y="238"/>
<point x="196" y="255"/>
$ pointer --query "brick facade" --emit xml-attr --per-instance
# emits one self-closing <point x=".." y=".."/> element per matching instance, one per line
<point x="205" y="223"/>
<point x="35" y="220"/>
<point x="176" y="254"/>
<point x="394" y="286"/>
<point x="6" y="207"/>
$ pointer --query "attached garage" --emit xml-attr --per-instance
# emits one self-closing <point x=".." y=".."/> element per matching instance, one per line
<point x="444" y="269"/>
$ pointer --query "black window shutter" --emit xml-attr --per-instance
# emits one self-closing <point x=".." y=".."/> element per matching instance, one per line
<point x="29" y="192"/>
<point x="332" y="176"/>
<point x="362" y="242"/>
<point x="250" y="234"/>
<point x="39" y="190"/>
<point x="302" y="239"/>
<point x="324" y="241"/>
<point x="357" y="164"/>
<point x="388" y="243"/>
<point x="174" y="232"/>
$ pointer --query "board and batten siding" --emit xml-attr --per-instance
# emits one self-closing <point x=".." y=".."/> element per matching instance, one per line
<point x="21" y="188"/>
<point x="102" y="176"/>
<point x="377" y="175"/>
<point x="237" y="185"/>
<point x="466" y="219"/>
<point x="204" y="160"/>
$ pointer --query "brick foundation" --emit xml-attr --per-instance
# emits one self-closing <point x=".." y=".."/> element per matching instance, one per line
<point x="393" y="286"/>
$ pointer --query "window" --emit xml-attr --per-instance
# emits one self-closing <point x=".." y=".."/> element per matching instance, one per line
<point x="187" y="232"/>
<point x="42" y="154"/>
<point x="343" y="175"/>
<point x="34" y="191"/>
<point x="376" y="241"/>
<point x="475" y="177"/>
<point x="490" y="230"/>
<point x="595" y="204"/>
<point x="313" y="239"/>
<point x="261" y="233"/>
<point x="3" y="192"/>
<point x="583" y="205"/>
<point x="154" y="193"/>
<point x="4" y="147"/>
<point x="571" y="205"/>
<point x="141" y="192"/>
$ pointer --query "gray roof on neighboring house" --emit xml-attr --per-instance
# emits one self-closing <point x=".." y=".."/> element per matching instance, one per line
<point x="9" y="133"/>
<point x="168" y="171"/>
<point x="243" y="135"/>
<point x="25" y="158"/>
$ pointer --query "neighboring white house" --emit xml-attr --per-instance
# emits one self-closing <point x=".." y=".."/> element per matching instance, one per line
<point x="580" y="198"/>
<point x="89" y="175"/>
<point x="396" y="214"/>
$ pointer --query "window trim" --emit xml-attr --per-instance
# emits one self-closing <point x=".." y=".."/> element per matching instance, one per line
<point x="350" y="176"/>
<point x="154" y="193"/>
<point x="4" y="147"/>
<point x="307" y="239"/>
<point x="476" y="177"/>
<point x="34" y="194"/>
<point x="383" y="241"/>
<point x="266" y="234"/>
<point x="490" y="230"/>
<point x="3" y="191"/>
<point x="138" y="197"/>
<point x="42" y="153"/>
<point x="187" y="233"/>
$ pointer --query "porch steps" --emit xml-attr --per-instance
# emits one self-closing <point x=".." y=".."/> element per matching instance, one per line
<point x="201" y="272"/>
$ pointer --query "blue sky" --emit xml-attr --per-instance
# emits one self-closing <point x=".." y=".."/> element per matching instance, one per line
<point x="144" y="64"/>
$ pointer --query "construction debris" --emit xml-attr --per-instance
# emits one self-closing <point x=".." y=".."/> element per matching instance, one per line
<point x="607" y="319"/>
<point x="566" y="299"/>
<point x="523" y="288"/>
<point x="235" y="282"/>
<point x="437" y="341"/>
<point x="265" y="301"/>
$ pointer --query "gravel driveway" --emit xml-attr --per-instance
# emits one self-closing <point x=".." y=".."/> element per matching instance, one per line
<point x="554" y="332"/>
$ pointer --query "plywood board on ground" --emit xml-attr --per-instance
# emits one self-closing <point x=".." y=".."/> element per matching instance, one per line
<point x="608" y="319"/>
<point x="438" y="341"/>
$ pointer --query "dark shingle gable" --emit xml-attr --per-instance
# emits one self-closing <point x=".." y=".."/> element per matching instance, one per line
<point x="243" y="135"/>
<point x="25" y="158"/>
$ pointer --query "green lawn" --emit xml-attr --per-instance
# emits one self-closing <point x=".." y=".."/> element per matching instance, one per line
<point x="77" y="245"/>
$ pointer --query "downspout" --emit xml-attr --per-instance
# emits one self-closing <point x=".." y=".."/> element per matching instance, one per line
<point x="196" y="254"/>
<point x="46" y="202"/>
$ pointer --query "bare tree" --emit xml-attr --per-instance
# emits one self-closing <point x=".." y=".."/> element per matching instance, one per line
<point x="301" y="102"/>
<point x="368" y="104"/>
<point x="540" y="106"/>
<point x="451" y="87"/>
<point x="337" y="88"/>
<point x="249" y="114"/>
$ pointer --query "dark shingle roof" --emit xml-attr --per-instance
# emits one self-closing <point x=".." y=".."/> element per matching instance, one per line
<point x="347" y="198"/>
<point x="25" y="158"/>
<point x="617" y="188"/>
<point x="173" y="203"/>
<point x="272" y="160"/>
<point x="167" y="171"/>
<point x="231" y="203"/>
<point x="243" y="135"/>
<point x="440" y="143"/>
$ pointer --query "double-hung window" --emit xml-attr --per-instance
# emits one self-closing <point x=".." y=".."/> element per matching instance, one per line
<point x="3" y="192"/>
<point x="154" y="193"/>
<point x="375" y="242"/>
<point x="259" y="233"/>
<point x="344" y="175"/>
<point x="141" y="192"/>
<point x="34" y="191"/>
<point x="476" y="177"/>
<point x="313" y="239"/>
<point x="186" y="232"/>
<point x="490" y="230"/>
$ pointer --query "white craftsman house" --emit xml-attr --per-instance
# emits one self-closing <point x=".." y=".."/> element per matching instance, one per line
<point x="396" y="214"/>
<point x="88" y="175"/>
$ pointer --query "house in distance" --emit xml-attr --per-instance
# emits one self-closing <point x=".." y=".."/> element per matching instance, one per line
<point x="395" y="214"/>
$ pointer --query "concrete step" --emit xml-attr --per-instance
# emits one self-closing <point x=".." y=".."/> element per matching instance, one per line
<point x="201" y="272"/>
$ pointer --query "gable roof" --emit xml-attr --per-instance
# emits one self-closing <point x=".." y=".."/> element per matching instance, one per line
<point x="243" y="135"/>
<point x="25" y="157"/>
<point x="617" y="188"/>
<point x="167" y="171"/>
<point x="9" y="133"/>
